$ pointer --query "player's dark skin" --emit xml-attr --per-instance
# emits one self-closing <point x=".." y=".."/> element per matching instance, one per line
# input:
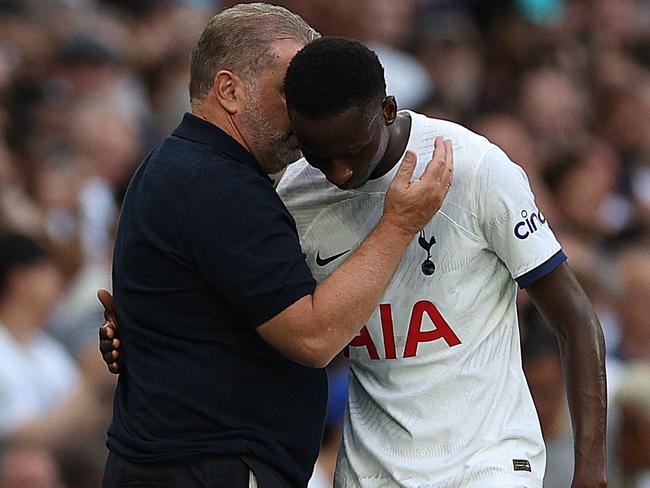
<point x="365" y="143"/>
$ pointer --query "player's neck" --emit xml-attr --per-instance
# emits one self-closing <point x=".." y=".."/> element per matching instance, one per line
<point x="399" y="137"/>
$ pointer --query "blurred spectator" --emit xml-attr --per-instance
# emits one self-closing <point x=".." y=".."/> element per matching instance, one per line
<point x="29" y="467"/>
<point x="585" y="187"/>
<point x="43" y="400"/>
<point x="556" y="110"/>
<point x="37" y="375"/>
<point x="633" y="303"/>
<point x="633" y="398"/>
<point x="448" y="46"/>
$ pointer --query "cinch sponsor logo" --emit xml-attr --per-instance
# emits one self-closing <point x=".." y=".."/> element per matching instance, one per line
<point x="529" y="225"/>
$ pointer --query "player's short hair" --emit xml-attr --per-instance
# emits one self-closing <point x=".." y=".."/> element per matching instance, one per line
<point x="331" y="75"/>
<point x="239" y="39"/>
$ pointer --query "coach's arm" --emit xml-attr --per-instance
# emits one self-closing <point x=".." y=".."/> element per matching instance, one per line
<point x="562" y="301"/>
<point x="316" y="327"/>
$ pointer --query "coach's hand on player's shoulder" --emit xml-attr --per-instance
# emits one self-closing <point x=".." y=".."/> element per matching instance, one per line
<point x="109" y="343"/>
<point x="410" y="204"/>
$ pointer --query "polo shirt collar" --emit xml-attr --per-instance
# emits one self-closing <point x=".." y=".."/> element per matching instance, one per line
<point x="196" y="129"/>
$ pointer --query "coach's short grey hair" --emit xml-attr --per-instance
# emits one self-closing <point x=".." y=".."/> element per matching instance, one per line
<point x="239" y="40"/>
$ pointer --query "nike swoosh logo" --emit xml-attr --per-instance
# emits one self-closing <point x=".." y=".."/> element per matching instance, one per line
<point x="325" y="261"/>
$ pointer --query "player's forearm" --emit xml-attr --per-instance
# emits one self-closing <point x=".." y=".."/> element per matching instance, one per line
<point x="583" y="360"/>
<point x="562" y="301"/>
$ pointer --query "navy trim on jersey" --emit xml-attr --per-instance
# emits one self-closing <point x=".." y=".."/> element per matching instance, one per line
<point x="542" y="270"/>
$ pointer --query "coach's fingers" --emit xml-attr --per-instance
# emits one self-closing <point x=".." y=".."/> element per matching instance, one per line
<point x="446" y="179"/>
<point x="449" y="162"/>
<point x="445" y="170"/>
<point x="437" y="165"/>
<point x="106" y="331"/>
<point x="106" y="299"/>
<point x="106" y="345"/>
<point x="439" y="148"/>
<point x="449" y="154"/>
<point x="406" y="169"/>
<point x="111" y="357"/>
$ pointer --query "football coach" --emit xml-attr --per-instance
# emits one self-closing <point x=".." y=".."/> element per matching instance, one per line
<point x="225" y="331"/>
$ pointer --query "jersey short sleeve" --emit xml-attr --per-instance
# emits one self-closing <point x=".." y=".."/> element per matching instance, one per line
<point x="516" y="230"/>
<point x="245" y="244"/>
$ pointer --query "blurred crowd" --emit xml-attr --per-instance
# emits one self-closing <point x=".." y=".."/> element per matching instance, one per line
<point x="88" y="87"/>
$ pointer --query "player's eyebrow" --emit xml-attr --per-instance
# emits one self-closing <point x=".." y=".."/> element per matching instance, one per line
<point x="347" y="152"/>
<point x="359" y="146"/>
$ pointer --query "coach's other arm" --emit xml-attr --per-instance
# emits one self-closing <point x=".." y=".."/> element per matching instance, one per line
<point x="109" y="344"/>
<point x="564" y="304"/>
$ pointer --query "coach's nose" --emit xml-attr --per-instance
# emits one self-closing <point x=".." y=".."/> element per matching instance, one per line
<point x="338" y="172"/>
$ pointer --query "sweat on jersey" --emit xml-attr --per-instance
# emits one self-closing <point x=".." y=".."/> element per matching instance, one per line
<point x="437" y="394"/>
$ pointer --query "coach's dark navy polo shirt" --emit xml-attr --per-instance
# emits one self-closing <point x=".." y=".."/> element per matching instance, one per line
<point x="205" y="253"/>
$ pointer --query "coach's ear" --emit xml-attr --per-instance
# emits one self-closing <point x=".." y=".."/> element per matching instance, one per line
<point x="229" y="90"/>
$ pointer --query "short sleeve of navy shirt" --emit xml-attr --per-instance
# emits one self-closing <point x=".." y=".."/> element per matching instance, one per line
<point x="206" y="252"/>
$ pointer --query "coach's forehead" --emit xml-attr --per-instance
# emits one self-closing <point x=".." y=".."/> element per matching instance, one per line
<point x="285" y="50"/>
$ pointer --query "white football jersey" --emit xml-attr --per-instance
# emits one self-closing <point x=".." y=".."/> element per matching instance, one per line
<point x="437" y="395"/>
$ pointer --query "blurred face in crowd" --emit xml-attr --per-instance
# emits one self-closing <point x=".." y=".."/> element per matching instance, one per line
<point x="265" y="123"/>
<point x="39" y="284"/>
<point x="555" y="108"/>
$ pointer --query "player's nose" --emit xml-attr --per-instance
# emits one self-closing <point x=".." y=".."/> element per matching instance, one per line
<point x="339" y="172"/>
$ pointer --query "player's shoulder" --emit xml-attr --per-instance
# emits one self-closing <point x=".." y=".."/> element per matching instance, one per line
<point x="300" y="170"/>
<point x="469" y="147"/>
<point x="300" y="175"/>
<point x="471" y="151"/>
<point x="302" y="186"/>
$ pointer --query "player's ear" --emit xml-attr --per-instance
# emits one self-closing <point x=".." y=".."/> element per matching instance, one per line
<point x="229" y="91"/>
<point x="389" y="107"/>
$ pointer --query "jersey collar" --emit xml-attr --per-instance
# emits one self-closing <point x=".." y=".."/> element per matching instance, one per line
<point x="198" y="130"/>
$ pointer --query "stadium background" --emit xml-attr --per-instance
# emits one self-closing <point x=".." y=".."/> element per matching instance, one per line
<point x="87" y="87"/>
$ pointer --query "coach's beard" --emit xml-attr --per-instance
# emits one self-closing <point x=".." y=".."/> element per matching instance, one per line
<point x="274" y="149"/>
<point x="276" y="155"/>
<point x="288" y="151"/>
